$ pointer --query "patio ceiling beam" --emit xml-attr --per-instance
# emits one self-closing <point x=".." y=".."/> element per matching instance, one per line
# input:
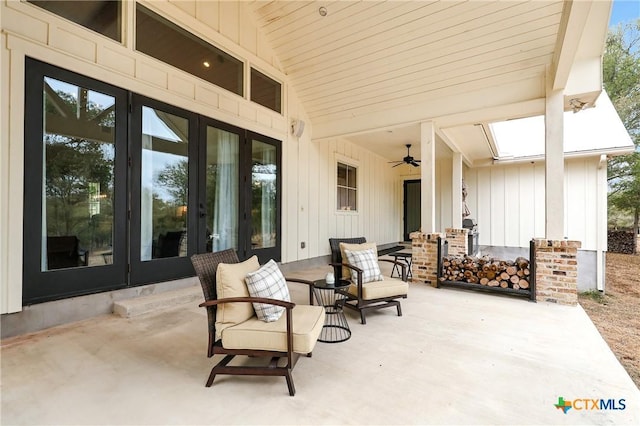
<point x="453" y="146"/>
<point x="472" y="102"/>
<point x="574" y="23"/>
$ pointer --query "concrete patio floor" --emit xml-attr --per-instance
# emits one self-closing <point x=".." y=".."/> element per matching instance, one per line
<point x="454" y="357"/>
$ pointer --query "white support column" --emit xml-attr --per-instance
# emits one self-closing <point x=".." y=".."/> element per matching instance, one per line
<point x="601" y="222"/>
<point x="456" y="189"/>
<point x="554" y="165"/>
<point x="428" y="176"/>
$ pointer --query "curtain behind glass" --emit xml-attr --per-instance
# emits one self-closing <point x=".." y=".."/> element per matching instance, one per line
<point x="264" y="193"/>
<point x="222" y="189"/>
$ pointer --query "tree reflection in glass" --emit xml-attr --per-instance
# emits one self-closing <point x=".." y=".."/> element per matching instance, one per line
<point x="79" y="138"/>
<point x="164" y="180"/>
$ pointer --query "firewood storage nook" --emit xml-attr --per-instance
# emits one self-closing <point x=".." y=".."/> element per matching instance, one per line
<point x="484" y="273"/>
<point x="553" y="266"/>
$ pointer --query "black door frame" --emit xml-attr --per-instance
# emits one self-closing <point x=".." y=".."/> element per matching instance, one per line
<point x="159" y="269"/>
<point x="264" y="254"/>
<point x="127" y="269"/>
<point x="405" y="209"/>
<point x="42" y="286"/>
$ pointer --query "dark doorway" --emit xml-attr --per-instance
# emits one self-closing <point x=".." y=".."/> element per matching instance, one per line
<point x="411" y="207"/>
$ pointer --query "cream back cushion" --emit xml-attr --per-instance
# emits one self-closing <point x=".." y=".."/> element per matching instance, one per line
<point x="346" y="272"/>
<point x="230" y="283"/>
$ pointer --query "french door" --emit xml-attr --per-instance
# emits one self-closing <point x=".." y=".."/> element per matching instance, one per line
<point x="75" y="194"/>
<point x="240" y="192"/>
<point x="163" y="224"/>
<point x="121" y="189"/>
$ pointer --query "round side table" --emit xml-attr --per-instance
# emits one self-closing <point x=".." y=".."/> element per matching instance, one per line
<point x="335" y="328"/>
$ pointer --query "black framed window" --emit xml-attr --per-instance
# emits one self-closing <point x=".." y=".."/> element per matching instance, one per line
<point x="347" y="188"/>
<point x="101" y="16"/>
<point x="266" y="91"/>
<point x="169" y="43"/>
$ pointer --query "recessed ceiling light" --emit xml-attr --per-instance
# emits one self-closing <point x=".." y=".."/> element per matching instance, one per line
<point x="206" y="64"/>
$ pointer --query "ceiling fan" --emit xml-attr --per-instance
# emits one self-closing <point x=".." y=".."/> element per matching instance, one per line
<point x="408" y="159"/>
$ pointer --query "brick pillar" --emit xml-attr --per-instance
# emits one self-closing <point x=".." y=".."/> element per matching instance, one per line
<point x="458" y="239"/>
<point x="424" y="257"/>
<point x="556" y="270"/>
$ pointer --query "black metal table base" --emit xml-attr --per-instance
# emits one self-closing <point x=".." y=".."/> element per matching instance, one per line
<point x="335" y="328"/>
<point x="401" y="256"/>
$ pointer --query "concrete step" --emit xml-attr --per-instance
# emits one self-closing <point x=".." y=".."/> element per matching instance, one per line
<point x="128" y="308"/>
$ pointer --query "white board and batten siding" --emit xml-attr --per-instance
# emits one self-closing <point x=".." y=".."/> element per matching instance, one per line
<point x="508" y="202"/>
<point x="379" y="197"/>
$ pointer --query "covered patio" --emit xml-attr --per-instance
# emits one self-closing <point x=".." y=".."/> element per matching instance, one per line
<point x="367" y="78"/>
<point x="453" y="358"/>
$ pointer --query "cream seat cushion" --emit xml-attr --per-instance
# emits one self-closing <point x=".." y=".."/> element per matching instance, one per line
<point x="380" y="289"/>
<point x="272" y="336"/>
<point x="346" y="272"/>
<point x="230" y="283"/>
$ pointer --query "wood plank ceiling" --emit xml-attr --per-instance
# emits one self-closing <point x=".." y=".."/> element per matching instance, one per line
<point x="367" y="58"/>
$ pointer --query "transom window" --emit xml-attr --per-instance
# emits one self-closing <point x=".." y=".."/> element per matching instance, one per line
<point x="347" y="188"/>
<point x="160" y="38"/>
<point x="266" y="91"/>
<point x="104" y="17"/>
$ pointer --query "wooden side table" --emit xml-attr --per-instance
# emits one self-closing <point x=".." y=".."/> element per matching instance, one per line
<point x="335" y="328"/>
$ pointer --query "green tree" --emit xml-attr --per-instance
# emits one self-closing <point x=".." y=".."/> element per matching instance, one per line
<point x="621" y="77"/>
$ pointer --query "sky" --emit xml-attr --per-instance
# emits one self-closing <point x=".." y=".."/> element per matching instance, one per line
<point x="624" y="11"/>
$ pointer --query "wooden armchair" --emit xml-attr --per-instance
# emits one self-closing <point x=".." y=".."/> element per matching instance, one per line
<point x="234" y="328"/>
<point x="364" y="295"/>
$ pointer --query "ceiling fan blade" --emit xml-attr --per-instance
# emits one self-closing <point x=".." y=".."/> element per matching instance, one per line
<point x="399" y="164"/>
<point x="414" y="164"/>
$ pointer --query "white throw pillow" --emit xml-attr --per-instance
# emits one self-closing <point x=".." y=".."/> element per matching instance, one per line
<point x="268" y="282"/>
<point x="367" y="260"/>
<point x="346" y="272"/>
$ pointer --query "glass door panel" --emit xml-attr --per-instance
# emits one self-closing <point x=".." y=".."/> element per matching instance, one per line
<point x="163" y="191"/>
<point x="78" y="183"/>
<point x="164" y="185"/>
<point x="222" y="189"/>
<point x="265" y="200"/>
<point x="75" y="182"/>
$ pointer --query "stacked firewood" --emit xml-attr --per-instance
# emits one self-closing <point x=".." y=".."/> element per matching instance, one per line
<point x="487" y="271"/>
<point x="621" y="242"/>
